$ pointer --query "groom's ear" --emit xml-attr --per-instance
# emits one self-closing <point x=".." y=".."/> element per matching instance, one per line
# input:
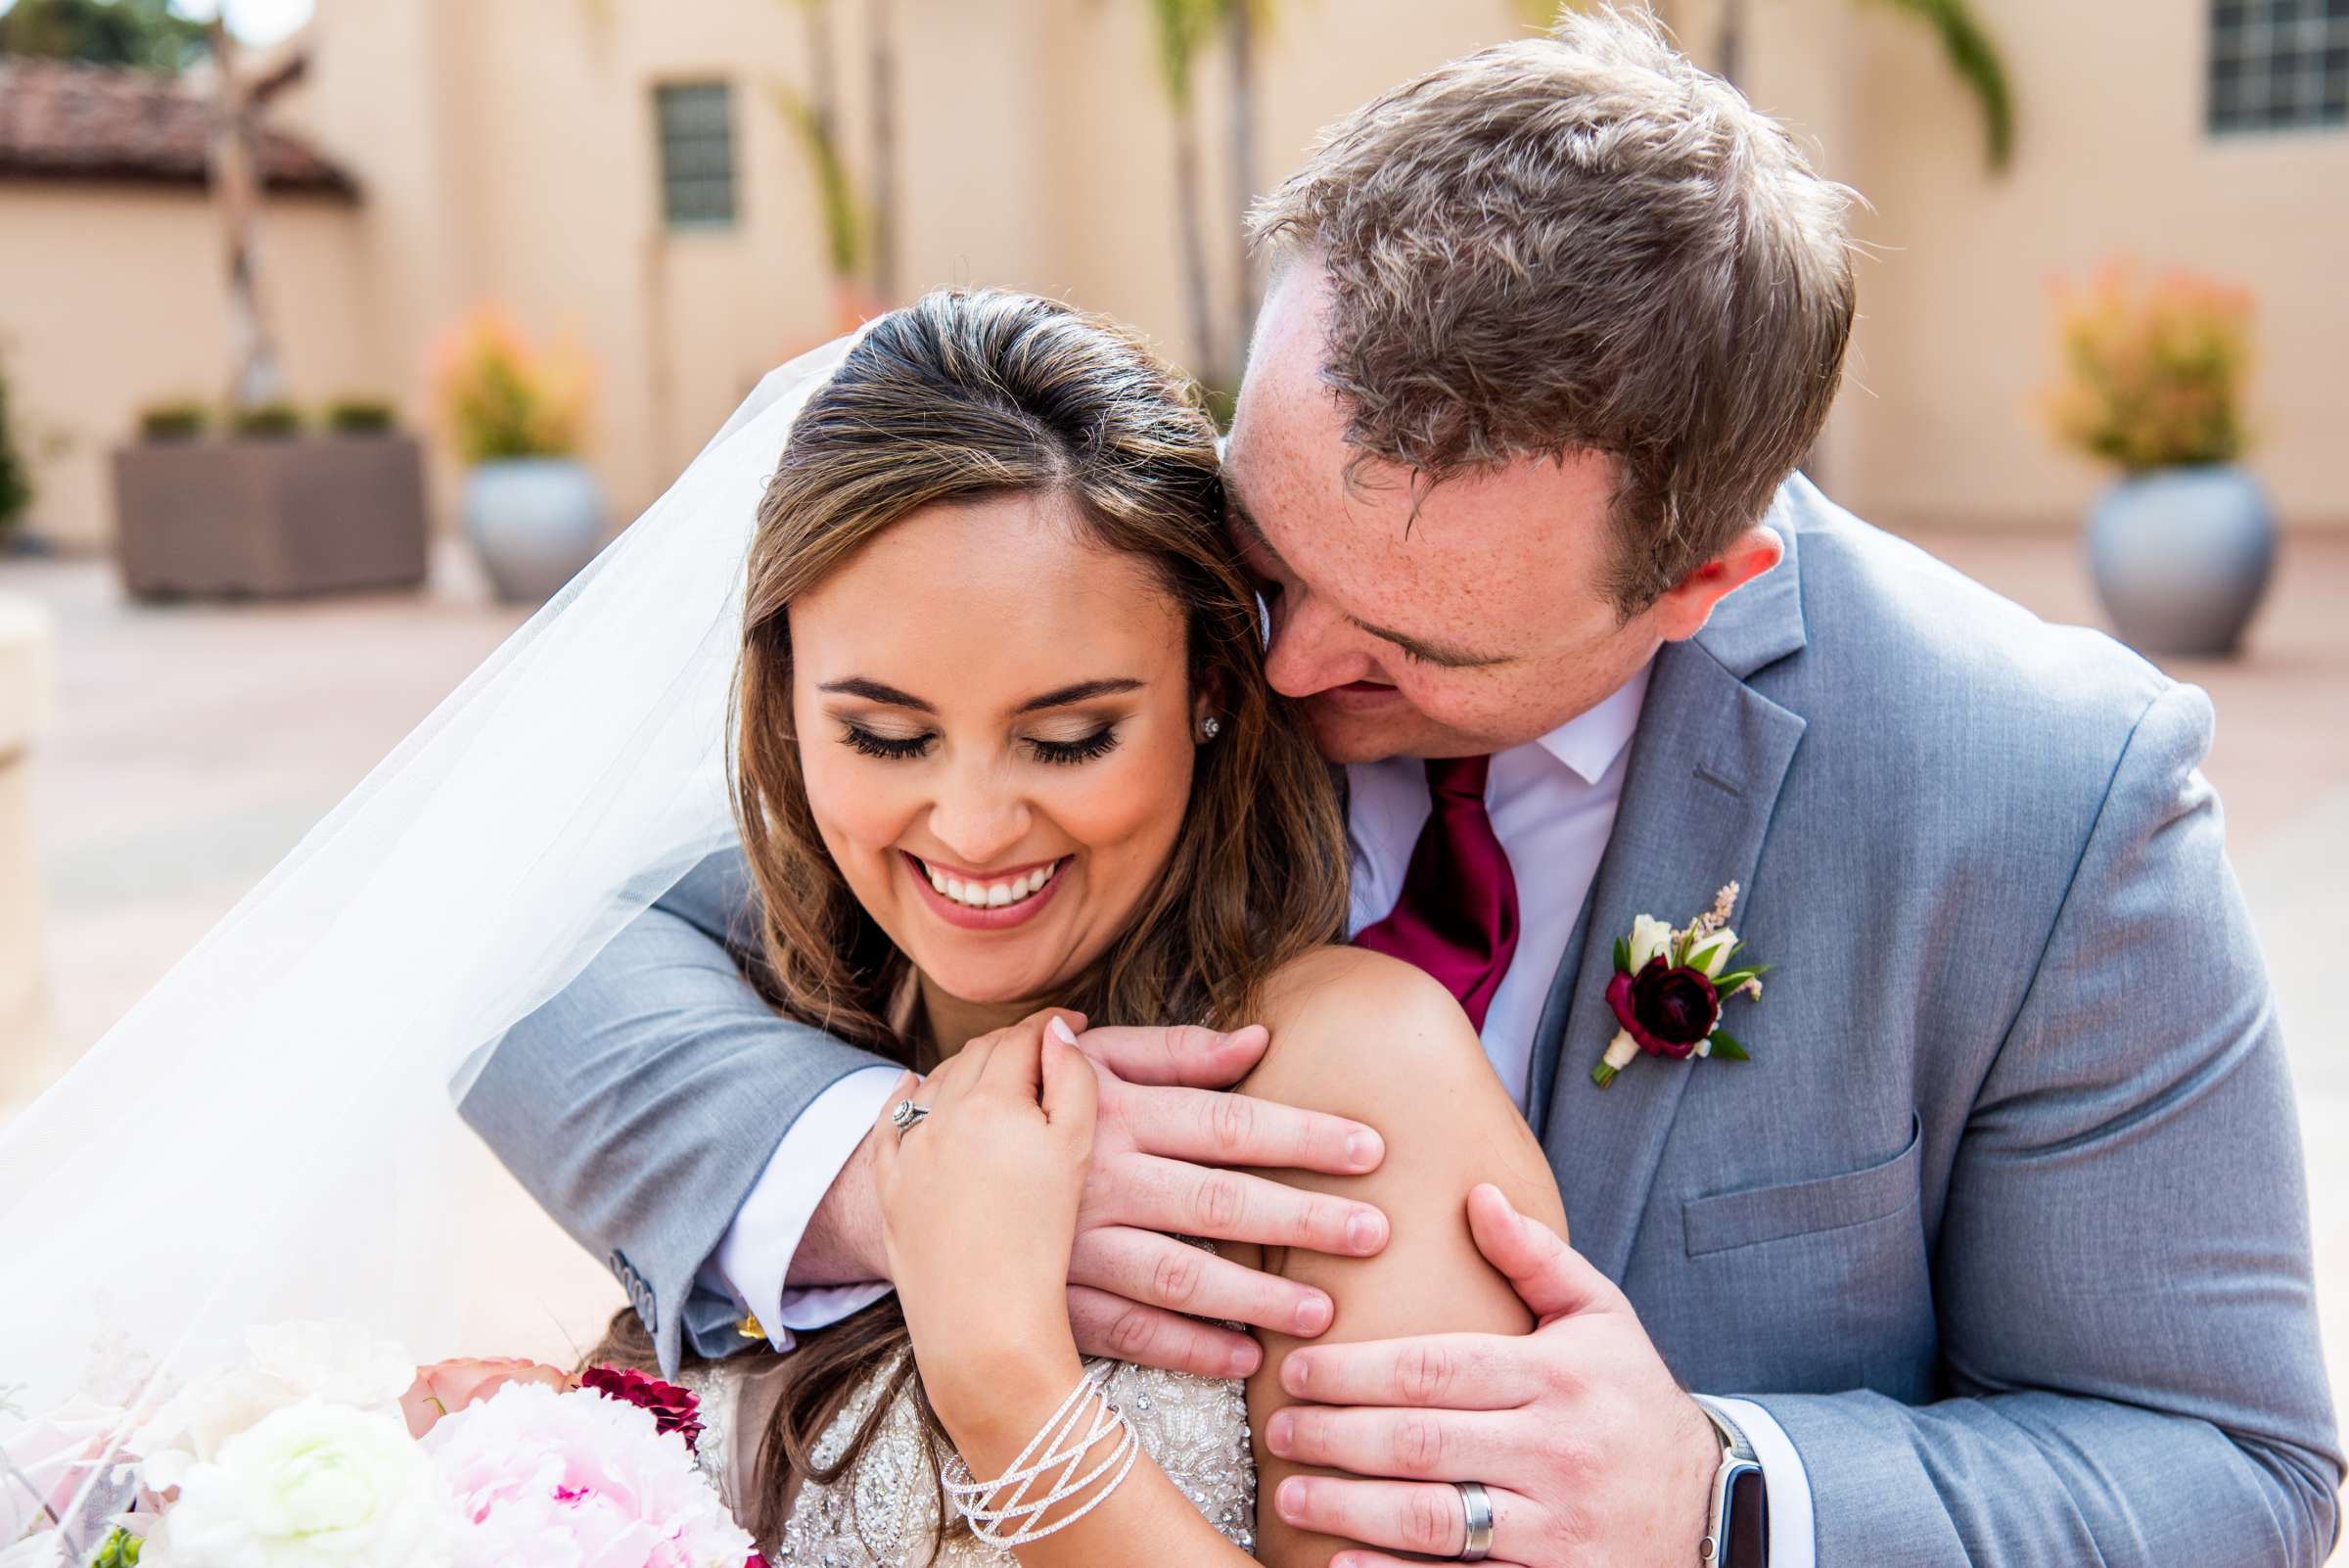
<point x="1686" y="606"/>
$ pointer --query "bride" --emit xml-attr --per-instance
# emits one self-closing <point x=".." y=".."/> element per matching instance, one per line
<point x="1006" y="763"/>
<point x="1003" y="760"/>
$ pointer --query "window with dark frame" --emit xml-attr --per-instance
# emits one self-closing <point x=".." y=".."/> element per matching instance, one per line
<point x="696" y="126"/>
<point x="2278" y="64"/>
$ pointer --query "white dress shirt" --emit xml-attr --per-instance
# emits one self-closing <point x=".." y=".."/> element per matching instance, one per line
<point x="1553" y="806"/>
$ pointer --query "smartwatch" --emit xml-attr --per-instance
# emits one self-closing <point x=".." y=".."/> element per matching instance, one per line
<point x="1737" y="1528"/>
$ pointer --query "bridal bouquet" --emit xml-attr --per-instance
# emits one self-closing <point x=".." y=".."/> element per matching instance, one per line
<point x="328" y="1448"/>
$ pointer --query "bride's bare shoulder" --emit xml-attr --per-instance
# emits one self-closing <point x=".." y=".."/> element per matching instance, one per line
<point x="1350" y="979"/>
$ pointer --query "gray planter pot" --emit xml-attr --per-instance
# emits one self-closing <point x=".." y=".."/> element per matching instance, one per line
<point x="2182" y="557"/>
<point x="534" y="521"/>
<point x="269" y="516"/>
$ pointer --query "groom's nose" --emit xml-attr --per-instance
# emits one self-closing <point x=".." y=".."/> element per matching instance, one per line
<point x="1312" y="649"/>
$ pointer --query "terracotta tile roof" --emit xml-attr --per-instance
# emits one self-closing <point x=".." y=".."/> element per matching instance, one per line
<point x="63" y="120"/>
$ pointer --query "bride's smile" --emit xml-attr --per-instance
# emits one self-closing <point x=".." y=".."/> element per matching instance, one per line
<point x="997" y="725"/>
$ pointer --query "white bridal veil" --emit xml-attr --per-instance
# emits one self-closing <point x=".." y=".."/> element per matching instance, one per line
<point x="270" y="1135"/>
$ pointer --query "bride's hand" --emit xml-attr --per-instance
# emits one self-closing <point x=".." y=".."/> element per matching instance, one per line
<point x="979" y="1209"/>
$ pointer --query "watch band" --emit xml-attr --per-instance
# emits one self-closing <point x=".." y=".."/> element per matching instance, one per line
<point x="1737" y="1459"/>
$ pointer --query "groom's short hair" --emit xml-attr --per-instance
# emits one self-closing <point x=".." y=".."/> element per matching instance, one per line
<point x="1581" y="242"/>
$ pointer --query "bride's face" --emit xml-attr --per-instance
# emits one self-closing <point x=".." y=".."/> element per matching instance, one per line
<point x="996" y="724"/>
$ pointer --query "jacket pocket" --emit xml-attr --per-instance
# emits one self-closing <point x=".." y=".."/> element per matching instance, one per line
<point x="1729" y="1220"/>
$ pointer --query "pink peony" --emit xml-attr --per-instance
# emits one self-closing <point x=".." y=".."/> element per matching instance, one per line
<point x="577" y="1481"/>
<point x="446" y="1386"/>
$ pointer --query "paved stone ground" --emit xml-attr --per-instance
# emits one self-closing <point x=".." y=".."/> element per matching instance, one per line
<point x="193" y="745"/>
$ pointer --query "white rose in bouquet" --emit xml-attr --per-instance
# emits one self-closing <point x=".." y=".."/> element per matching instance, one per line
<point x="340" y="1363"/>
<point x="315" y="1485"/>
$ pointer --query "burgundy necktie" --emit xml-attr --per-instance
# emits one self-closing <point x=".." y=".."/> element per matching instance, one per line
<point x="1457" y="916"/>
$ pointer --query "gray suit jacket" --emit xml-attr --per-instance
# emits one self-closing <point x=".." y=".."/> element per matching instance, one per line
<point x="2005" y="1222"/>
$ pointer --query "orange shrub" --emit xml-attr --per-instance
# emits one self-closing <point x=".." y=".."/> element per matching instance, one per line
<point x="2152" y="370"/>
<point x="498" y="396"/>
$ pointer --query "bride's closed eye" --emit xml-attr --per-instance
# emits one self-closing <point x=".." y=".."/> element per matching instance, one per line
<point x="1088" y="748"/>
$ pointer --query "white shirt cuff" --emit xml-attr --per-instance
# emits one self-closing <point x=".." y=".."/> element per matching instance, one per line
<point x="754" y="1256"/>
<point x="1792" y="1541"/>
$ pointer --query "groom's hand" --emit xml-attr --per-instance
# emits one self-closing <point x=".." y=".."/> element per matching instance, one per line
<point x="1589" y="1450"/>
<point x="1163" y="1140"/>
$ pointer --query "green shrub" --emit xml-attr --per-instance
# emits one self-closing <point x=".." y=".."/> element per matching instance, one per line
<point x="360" y="416"/>
<point x="271" y="420"/>
<point x="502" y="397"/>
<point x="182" y="418"/>
<point x="16" y="484"/>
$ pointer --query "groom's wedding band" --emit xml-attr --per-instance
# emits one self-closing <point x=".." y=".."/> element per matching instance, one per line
<point x="906" y="1115"/>
<point x="1476" y="1503"/>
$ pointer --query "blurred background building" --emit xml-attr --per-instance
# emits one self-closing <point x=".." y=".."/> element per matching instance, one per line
<point x="696" y="189"/>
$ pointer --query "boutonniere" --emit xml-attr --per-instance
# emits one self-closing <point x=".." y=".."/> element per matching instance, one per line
<point x="1669" y="988"/>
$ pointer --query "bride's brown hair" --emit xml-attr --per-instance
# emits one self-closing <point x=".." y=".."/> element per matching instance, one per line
<point x="956" y="398"/>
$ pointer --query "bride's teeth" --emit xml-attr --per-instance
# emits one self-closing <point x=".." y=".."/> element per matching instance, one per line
<point x="937" y="880"/>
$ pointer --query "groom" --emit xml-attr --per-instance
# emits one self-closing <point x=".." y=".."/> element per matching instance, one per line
<point x="1994" y="1251"/>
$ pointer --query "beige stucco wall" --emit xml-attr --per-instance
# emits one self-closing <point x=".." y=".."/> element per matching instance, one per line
<point x="112" y="296"/>
<point x="1035" y="153"/>
<point x="1941" y="422"/>
<point x="507" y="155"/>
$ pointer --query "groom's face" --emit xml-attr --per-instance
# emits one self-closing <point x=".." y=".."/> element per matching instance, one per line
<point x="1469" y="624"/>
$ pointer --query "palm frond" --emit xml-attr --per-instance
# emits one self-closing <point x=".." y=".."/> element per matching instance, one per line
<point x="844" y="215"/>
<point x="1180" y="28"/>
<point x="1974" y="57"/>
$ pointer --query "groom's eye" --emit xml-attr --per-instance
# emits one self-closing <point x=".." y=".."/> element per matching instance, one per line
<point x="898" y="747"/>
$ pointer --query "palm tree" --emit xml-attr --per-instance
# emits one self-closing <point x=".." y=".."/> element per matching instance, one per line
<point x="1180" y="29"/>
<point x="1972" y="51"/>
<point x="1243" y="20"/>
<point x="236" y="187"/>
<point x="881" y="80"/>
<point x="814" y="117"/>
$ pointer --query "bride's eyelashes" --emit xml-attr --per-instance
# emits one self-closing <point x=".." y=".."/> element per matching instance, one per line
<point x="894" y="748"/>
<point x="905" y="747"/>
<point x="1100" y="743"/>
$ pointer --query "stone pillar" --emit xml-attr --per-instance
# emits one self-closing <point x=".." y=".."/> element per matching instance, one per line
<point x="25" y="641"/>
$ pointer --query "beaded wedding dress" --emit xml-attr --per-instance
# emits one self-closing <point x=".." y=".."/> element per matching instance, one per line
<point x="883" y="1512"/>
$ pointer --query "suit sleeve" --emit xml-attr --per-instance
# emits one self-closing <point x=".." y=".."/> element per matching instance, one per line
<point x="2123" y="1276"/>
<point x="641" y="1104"/>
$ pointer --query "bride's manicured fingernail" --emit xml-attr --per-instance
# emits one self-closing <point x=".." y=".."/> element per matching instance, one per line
<point x="1276" y="1437"/>
<point x="1059" y="1030"/>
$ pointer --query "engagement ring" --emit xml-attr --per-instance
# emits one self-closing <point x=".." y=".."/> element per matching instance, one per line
<point x="905" y="1114"/>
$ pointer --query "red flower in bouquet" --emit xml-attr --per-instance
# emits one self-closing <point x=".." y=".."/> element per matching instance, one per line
<point x="674" y="1409"/>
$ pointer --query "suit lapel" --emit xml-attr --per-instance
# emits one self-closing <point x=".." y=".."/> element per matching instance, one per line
<point x="1702" y="781"/>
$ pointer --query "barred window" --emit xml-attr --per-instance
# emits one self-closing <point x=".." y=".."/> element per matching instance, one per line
<point x="696" y="122"/>
<point x="2278" y="65"/>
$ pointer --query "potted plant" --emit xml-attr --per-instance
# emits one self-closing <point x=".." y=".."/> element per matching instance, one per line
<point x="251" y="501"/>
<point x="531" y="510"/>
<point x="2182" y="542"/>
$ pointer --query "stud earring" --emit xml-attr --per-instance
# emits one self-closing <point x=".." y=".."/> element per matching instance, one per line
<point x="1210" y="727"/>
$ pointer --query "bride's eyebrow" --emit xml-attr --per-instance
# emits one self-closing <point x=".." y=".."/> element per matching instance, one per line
<point x="875" y="691"/>
<point x="1082" y="691"/>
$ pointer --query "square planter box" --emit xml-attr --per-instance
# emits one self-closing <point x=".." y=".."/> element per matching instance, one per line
<point x="269" y="516"/>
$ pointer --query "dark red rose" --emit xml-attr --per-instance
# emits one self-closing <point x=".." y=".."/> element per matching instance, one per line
<point x="1667" y="1010"/>
<point x="674" y="1409"/>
